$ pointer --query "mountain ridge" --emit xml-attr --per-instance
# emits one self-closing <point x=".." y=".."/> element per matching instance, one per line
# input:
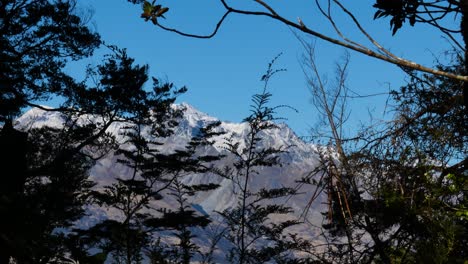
<point x="300" y="160"/>
<point x="301" y="156"/>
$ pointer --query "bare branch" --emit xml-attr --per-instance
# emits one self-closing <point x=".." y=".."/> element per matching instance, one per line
<point x="218" y="25"/>
<point x="347" y="43"/>
<point x="267" y="7"/>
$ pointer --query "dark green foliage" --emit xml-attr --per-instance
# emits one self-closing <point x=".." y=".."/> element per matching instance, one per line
<point x="37" y="38"/>
<point x="399" y="10"/>
<point x="125" y="239"/>
<point x="434" y="114"/>
<point x="42" y="198"/>
<point x="155" y="174"/>
<point x="436" y="139"/>
<point x="44" y="184"/>
<point x="418" y="11"/>
<point x="254" y="238"/>
<point x="47" y="182"/>
<point x="411" y="205"/>
<point x="181" y="220"/>
<point x="435" y="14"/>
<point x="54" y="186"/>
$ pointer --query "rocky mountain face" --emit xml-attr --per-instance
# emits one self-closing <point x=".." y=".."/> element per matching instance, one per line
<point x="300" y="160"/>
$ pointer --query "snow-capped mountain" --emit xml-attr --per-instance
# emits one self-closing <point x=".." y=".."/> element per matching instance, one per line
<point x="301" y="159"/>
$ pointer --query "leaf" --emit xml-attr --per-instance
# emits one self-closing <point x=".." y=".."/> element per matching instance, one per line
<point x="162" y="11"/>
<point x="378" y="14"/>
<point x="147" y="10"/>
<point x="147" y="7"/>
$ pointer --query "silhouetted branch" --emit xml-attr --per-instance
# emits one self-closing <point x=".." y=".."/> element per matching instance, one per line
<point x="381" y="53"/>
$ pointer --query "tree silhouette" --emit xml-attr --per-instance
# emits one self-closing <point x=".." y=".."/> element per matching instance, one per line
<point x="255" y="238"/>
<point x="395" y="191"/>
<point x="47" y="166"/>
<point x="156" y="174"/>
<point x="38" y="39"/>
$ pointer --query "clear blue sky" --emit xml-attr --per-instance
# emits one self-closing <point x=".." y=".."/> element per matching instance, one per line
<point x="223" y="72"/>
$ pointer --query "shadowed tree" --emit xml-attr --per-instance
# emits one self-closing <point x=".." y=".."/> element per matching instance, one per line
<point x="46" y="184"/>
<point x="37" y="38"/>
<point x="181" y="220"/>
<point x="254" y="236"/>
<point x="397" y="193"/>
<point x="156" y="174"/>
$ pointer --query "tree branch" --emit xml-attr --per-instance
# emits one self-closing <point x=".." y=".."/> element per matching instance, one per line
<point x="387" y="56"/>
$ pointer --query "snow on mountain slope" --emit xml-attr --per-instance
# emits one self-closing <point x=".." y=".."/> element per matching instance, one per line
<point x="301" y="158"/>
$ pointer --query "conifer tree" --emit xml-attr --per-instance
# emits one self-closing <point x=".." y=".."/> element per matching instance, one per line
<point x="37" y="39"/>
<point x="183" y="219"/>
<point x="47" y="184"/>
<point x="156" y="174"/>
<point x="44" y="179"/>
<point x="254" y="238"/>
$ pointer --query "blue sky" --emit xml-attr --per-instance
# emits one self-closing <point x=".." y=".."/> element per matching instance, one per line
<point x="222" y="73"/>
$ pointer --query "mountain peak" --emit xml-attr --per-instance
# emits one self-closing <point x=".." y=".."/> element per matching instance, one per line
<point x="193" y="116"/>
<point x="301" y="158"/>
<point x="39" y="117"/>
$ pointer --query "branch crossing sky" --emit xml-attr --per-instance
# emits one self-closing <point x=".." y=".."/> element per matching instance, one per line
<point x="223" y="73"/>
